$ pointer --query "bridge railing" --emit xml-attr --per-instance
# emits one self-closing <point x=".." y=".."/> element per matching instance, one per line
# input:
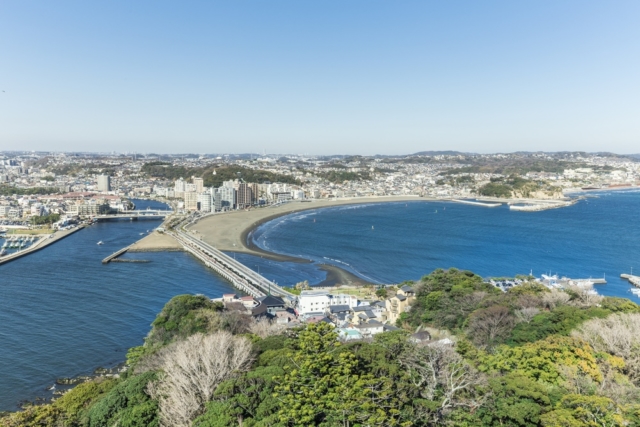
<point x="257" y="279"/>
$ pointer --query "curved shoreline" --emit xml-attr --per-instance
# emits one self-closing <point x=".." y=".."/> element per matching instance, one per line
<point x="231" y="231"/>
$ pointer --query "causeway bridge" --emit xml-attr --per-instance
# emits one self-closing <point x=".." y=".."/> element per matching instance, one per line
<point x="241" y="276"/>
<point x="135" y="214"/>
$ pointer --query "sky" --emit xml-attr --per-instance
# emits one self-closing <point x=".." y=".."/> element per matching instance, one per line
<point x="319" y="76"/>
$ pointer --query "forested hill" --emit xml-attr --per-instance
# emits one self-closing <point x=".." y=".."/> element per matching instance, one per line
<point x="526" y="357"/>
<point x="223" y="173"/>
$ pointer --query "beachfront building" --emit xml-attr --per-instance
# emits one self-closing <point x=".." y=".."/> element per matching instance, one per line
<point x="245" y="196"/>
<point x="318" y="301"/>
<point x="216" y="200"/>
<point x="227" y="197"/>
<point x="204" y="202"/>
<point x="191" y="200"/>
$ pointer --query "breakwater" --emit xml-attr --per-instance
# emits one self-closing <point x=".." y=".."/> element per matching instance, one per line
<point x="476" y="203"/>
<point x="542" y="205"/>
<point x="634" y="280"/>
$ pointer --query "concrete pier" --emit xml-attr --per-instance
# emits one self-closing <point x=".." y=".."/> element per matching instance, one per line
<point x="634" y="280"/>
<point x="115" y="255"/>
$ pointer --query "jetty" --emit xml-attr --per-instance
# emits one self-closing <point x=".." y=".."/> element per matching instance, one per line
<point x="477" y="203"/>
<point x="542" y="205"/>
<point x="634" y="280"/>
<point x="114" y="255"/>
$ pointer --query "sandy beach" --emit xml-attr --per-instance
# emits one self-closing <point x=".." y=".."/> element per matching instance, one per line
<point x="229" y="231"/>
<point x="156" y="242"/>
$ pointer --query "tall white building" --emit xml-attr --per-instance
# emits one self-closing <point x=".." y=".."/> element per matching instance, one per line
<point x="104" y="183"/>
<point x="227" y="197"/>
<point x="179" y="186"/>
<point x="204" y="202"/>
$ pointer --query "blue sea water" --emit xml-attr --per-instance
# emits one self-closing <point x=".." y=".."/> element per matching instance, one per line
<point x="63" y="313"/>
<point x="393" y="242"/>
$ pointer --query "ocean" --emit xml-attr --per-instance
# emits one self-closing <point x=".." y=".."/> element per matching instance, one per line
<point x="63" y="313"/>
<point x="393" y="242"/>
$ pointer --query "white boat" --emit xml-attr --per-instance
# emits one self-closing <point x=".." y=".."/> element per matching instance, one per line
<point x="3" y="252"/>
<point x="100" y="243"/>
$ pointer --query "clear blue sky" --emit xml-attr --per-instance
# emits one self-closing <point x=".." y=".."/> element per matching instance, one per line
<point x="303" y="76"/>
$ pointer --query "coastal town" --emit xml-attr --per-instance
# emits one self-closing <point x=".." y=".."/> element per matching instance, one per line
<point x="354" y="318"/>
<point x="45" y="188"/>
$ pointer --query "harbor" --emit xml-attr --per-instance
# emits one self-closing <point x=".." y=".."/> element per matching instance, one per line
<point x="27" y="244"/>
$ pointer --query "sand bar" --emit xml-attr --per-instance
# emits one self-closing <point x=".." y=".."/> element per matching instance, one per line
<point x="156" y="242"/>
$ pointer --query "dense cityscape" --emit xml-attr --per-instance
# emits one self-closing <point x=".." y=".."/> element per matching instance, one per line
<point x="85" y="185"/>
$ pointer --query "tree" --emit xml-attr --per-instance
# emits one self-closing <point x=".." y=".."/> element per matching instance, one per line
<point x="526" y="314"/>
<point x="489" y="326"/>
<point x="127" y="404"/>
<point x="515" y="401"/>
<point x="263" y="327"/>
<point x="382" y="293"/>
<point x="326" y="388"/>
<point x="616" y="335"/>
<point x="543" y="360"/>
<point x="182" y="316"/>
<point x="442" y="376"/>
<point x="576" y="410"/>
<point x="192" y="370"/>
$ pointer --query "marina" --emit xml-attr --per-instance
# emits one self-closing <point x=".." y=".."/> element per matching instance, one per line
<point x="18" y="246"/>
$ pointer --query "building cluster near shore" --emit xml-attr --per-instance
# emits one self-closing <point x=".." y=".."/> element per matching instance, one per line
<point x="352" y="317"/>
<point x="88" y="184"/>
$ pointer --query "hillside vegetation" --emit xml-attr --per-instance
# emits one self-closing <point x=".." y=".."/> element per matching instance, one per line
<point x="515" y="186"/>
<point x="527" y="357"/>
<point x="223" y="173"/>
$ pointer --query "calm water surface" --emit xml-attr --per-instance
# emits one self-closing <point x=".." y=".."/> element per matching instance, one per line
<point x="388" y="243"/>
<point x="63" y="313"/>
